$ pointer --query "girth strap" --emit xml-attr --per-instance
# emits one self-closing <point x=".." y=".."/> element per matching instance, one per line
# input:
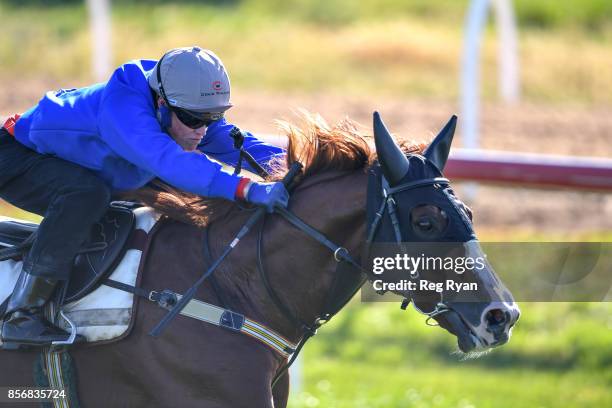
<point x="127" y="288"/>
<point x="218" y="316"/>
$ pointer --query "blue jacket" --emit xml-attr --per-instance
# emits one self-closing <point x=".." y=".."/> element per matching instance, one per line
<point x="112" y="129"/>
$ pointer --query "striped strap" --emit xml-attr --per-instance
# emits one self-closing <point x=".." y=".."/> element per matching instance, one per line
<point x="54" y="368"/>
<point x="225" y="318"/>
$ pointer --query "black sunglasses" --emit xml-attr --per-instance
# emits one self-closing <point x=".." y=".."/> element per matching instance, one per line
<point x="193" y="120"/>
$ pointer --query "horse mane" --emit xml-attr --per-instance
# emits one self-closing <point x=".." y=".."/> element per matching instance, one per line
<point x="318" y="146"/>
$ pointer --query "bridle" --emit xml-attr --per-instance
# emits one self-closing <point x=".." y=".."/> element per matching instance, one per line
<point x="389" y="204"/>
<point x="348" y="279"/>
<point x="346" y="263"/>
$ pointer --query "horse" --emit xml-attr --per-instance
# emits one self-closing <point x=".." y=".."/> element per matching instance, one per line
<point x="279" y="276"/>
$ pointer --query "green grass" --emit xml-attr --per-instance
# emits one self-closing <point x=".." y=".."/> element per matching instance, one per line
<point x="375" y="355"/>
<point x="591" y="15"/>
<point x="339" y="384"/>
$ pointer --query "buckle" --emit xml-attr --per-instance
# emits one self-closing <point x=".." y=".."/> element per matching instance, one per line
<point x="337" y="256"/>
<point x="311" y="330"/>
<point x="153" y="296"/>
<point x="166" y="298"/>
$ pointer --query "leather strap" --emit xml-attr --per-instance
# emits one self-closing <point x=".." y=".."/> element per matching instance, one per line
<point x="340" y="253"/>
<point x="127" y="288"/>
<point x="218" y="316"/>
<point x="3" y="306"/>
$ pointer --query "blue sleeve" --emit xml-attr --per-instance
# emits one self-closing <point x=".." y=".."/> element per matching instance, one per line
<point x="219" y="144"/>
<point x="128" y="126"/>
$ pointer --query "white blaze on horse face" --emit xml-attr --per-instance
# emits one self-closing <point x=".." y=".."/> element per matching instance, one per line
<point x="494" y="300"/>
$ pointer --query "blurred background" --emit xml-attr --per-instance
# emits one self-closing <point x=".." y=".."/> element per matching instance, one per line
<point x="406" y="59"/>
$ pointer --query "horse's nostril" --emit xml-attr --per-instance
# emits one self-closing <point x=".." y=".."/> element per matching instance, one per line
<point x="496" y="317"/>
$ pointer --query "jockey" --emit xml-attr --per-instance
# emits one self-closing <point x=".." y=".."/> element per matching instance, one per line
<point x="66" y="156"/>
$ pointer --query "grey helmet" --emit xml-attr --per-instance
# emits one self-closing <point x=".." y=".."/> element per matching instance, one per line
<point x="193" y="79"/>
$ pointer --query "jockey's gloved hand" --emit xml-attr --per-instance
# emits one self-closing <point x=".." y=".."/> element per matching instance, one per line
<point x="268" y="195"/>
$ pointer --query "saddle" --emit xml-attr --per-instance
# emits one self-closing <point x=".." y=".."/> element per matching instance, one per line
<point x="112" y="252"/>
<point x="98" y="255"/>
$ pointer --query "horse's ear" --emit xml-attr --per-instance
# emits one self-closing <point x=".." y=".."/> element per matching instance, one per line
<point x="392" y="160"/>
<point x="438" y="149"/>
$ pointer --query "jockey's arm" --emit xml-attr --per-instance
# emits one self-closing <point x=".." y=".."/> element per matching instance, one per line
<point x="219" y="144"/>
<point x="133" y="132"/>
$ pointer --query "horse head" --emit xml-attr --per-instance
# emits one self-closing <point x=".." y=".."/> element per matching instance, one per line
<point x="424" y="209"/>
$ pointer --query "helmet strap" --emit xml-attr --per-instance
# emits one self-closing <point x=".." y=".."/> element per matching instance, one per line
<point x="162" y="92"/>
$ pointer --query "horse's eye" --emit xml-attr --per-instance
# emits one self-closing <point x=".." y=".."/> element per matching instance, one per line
<point x="425" y="224"/>
<point x="428" y="221"/>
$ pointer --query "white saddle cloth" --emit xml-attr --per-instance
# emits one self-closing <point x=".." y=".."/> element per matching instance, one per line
<point x="104" y="314"/>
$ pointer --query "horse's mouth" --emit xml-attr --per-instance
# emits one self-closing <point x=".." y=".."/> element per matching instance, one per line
<point x="466" y="339"/>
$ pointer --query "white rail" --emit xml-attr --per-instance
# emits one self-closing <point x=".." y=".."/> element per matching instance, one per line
<point x="508" y="79"/>
<point x="100" y="23"/>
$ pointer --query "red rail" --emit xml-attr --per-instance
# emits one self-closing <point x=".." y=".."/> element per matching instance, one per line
<point x="522" y="169"/>
<point x="530" y="170"/>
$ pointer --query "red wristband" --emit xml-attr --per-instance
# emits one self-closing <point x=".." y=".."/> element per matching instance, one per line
<point x="242" y="188"/>
<point x="9" y="125"/>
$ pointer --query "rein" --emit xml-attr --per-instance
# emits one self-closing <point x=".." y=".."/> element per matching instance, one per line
<point x="238" y="136"/>
<point x="347" y="265"/>
<point x="344" y="258"/>
<point x="186" y="298"/>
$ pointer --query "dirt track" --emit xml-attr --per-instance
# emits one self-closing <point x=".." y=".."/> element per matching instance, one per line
<point x="528" y="128"/>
